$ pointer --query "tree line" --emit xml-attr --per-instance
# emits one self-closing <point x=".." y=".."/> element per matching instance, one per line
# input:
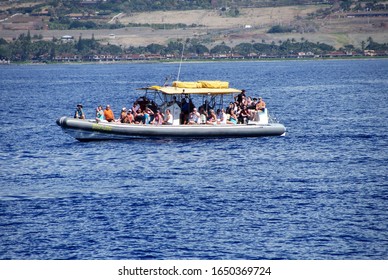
<point x="58" y="8"/>
<point x="28" y="48"/>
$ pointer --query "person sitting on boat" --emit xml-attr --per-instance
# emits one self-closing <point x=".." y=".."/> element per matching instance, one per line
<point x="135" y="107"/>
<point x="79" y="112"/>
<point x="168" y="119"/>
<point x="230" y="108"/>
<point x="233" y="106"/>
<point x="100" y="114"/>
<point x="123" y="114"/>
<point x="108" y="114"/>
<point x="243" y="116"/>
<point x="260" y="105"/>
<point x="221" y="116"/>
<point x="212" y="118"/>
<point x="129" y="117"/>
<point x="158" y="118"/>
<point x="148" y="115"/>
<point x="202" y="115"/>
<point x="194" y="117"/>
<point x="254" y="102"/>
<point x="139" y="116"/>
<point x="251" y="103"/>
<point x="232" y="118"/>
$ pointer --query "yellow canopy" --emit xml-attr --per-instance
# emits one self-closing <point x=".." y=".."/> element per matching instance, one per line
<point x="200" y="88"/>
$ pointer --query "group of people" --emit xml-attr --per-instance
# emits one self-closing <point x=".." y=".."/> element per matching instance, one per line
<point x="240" y="111"/>
<point x="245" y="108"/>
<point x="135" y="115"/>
<point x="146" y="116"/>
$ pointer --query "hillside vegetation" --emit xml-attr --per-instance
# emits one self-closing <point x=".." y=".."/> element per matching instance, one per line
<point x="119" y="27"/>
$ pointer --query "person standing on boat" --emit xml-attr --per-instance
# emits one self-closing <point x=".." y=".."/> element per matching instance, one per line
<point x="239" y="98"/>
<point x="108" y="114"/>
<point x="184" y="116"/>
<point x="79" y="112"/>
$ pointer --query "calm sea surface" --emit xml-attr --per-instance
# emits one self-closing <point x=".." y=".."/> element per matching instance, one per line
<point x="320" y="192"/>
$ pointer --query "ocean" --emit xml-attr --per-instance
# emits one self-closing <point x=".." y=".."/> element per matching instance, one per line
<point x="320" y="192"/>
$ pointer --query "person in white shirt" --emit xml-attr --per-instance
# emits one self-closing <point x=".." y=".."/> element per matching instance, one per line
<point x="221" y="116"/>
<point x="168" y="119"/>
<point x="194" y="117"/>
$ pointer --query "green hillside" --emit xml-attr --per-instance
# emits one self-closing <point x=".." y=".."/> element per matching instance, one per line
<point x="140" y="29"/>
<point x="57" y="8"/>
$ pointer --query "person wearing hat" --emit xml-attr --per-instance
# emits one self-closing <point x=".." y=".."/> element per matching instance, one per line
<point x="79" y="112"/>
<point x="108" y="114"/>
<point x="129" y="117"/>
<point x="123" y="115"/>
<point x="260" y="105"/>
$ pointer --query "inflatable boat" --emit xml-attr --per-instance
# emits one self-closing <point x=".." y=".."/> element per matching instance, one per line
<point x="210" y="93"/>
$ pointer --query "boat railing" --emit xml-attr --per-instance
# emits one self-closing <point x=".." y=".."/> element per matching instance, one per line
<point x="260" y="117"/>
<point x="272" y="118"/>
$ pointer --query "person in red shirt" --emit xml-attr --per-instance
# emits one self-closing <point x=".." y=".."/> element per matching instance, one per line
<point x="108" y="113"/>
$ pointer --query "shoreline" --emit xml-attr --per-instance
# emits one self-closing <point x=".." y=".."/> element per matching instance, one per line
<point x="194" y="60"/>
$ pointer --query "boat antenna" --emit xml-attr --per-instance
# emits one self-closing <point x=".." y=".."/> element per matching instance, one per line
<point x="166" y="80"/>
<point x="180" y="64"/>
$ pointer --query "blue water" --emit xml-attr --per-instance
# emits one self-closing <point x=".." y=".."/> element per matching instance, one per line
<point x="321" y="192"/>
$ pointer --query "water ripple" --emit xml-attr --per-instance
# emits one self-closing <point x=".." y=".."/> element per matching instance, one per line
<point x="319" y="193"/>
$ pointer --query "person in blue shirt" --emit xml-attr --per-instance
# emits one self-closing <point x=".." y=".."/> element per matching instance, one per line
<point x="79" y="112"/>
<point x="100" y="114"/>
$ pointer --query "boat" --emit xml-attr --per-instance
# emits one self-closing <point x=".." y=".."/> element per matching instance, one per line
<point x="209" y="93"/>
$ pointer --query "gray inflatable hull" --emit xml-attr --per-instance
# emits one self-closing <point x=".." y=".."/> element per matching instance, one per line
<point x="89" y="130"/>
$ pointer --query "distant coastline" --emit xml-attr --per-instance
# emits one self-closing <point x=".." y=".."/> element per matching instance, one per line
<point x="190" y="61"/>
